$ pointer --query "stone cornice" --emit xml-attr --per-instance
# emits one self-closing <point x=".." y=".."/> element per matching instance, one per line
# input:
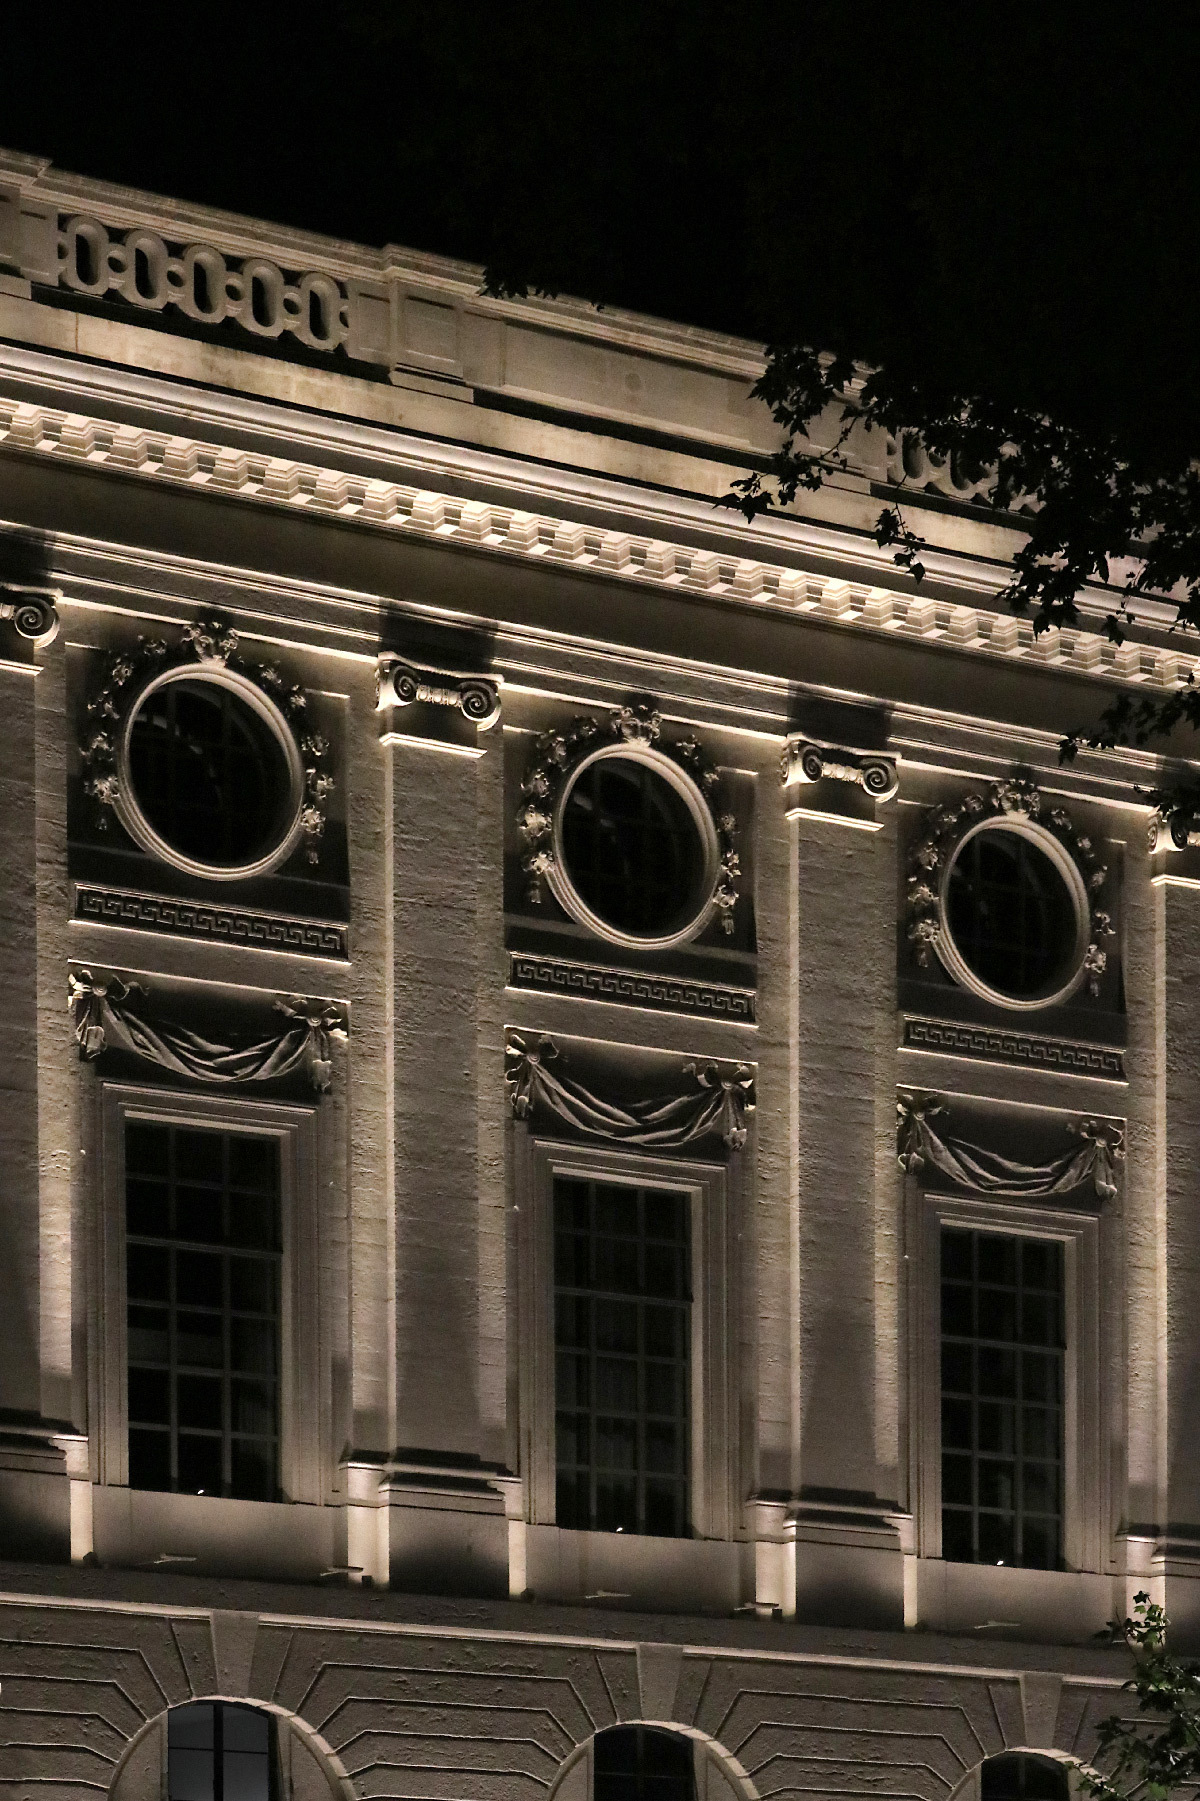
<point x="512" y="534"/>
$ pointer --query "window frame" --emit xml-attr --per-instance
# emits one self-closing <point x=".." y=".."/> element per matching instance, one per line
<point x="1072" y="967"/>
<point x="714" y="1203"/>
<point x="303" y="1387"/>
<point x="701" y="902"/>
<point x="1080" y="1234"/>
<point x="129" y="808"/>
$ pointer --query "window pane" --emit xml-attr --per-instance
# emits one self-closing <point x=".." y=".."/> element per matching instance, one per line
<point x="622" y="1332"/>
<point x="214" y="1321"/>
<point x="1002" y="1416"/>
<point x="632" y="848"/>
<point x="208" y="772"/>
<point x="642" y="1763"/>
<point x="1016" y="1776"/>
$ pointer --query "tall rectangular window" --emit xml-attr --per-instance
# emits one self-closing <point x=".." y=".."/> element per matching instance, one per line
<point x="203" y="1253"/>
<point x="1003" y="1353"/>
<point x="622" y="1280"/>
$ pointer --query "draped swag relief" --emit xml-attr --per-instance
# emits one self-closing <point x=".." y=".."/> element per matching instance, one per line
<point x="923" y="1148"/>
<point x="111" y="1014"/>
<point x="713" y="1102"/>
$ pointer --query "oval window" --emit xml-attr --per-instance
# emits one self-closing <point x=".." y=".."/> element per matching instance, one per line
<point x="633" y="850"/>
<point x="1012" y="915"/>
<point x="210" y="775"/>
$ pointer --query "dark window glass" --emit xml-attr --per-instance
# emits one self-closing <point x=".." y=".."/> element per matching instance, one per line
<point x="208" y="773"/>
<point x="1019" y="1777"/>
<point x="1011" y="914"/>
<point x="622" y="1263"/>
<point x="220" y="1752"/>
<point x="203" y="1256"/>
<point x="632" y="848"/>
<point x="1002" y="1399"/>
<point x="642" y="1763"/>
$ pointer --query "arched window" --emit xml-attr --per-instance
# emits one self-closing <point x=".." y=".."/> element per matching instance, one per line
<point x="642" y="1763"/>
<point x="1020" y="1776"/>
<point x="217" y="1751"/>
<point x="225" y="1751"/>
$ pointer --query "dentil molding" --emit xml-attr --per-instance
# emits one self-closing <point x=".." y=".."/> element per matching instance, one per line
<point x="176" y="460"/>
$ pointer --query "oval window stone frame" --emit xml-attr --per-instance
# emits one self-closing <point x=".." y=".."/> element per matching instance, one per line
<point x="568" y="896"/>
<point x="1074" y="957"/>
<point x="129" y="809"/>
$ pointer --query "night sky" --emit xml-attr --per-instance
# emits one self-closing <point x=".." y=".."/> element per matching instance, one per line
<point x="1009" y="204"/>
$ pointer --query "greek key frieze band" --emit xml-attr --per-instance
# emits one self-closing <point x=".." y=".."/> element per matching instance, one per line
<point x="204" y="921"/>
<point x="993" y="1044"/>
<point x="629" y="988"/>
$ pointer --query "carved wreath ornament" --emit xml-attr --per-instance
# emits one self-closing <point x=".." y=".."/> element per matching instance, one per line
<point x="208" y="647"/>
<point x="559" y="754"/>
<point x="1013" y="802"/>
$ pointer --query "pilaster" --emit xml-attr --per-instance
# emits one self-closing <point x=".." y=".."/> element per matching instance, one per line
<point x="447" y="1526"/>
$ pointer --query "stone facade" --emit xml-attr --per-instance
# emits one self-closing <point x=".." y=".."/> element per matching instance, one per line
<point x="443" y="561"/>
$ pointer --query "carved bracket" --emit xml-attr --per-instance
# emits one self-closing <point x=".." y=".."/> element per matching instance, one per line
<point x="401" y="684"/>
<point x="33" y="612"/>
<point x="1175" y="825"/>
<point x="805" y="761"/>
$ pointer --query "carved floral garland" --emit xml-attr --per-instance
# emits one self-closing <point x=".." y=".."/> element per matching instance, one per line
<point x="945" y="829"/>
<point x="557" y="753"/>
<point x="210" y="641"/>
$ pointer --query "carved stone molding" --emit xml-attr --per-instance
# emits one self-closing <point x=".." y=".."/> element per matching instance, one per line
<point x="636" y="730"/>
<point x="804" y="761"/>
<point x="712" y="1100"/>
<point x="210" y="649"/>
<point x="998" y="1044"/>
<point x="1019" y="805"/>
<point x="206" y="922"/>
<point x="630" y="988"/>
<point x="33" y="612"/>
<point x="401" y="684"/>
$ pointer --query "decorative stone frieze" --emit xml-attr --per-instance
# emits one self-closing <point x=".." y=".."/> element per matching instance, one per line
<point x="206" y="285"/>
<point x="207" y="650"/>
<point x="400" y="685"/>
<point x="207" y="923"/>
<point x="559" y="756"/>
<point x="804" y="761"/>
<point x="999" y="1044"/>
<point x="712" y="1101"/>
<point x="1017" y="804"/>
<point x="630" y="988"/>
<point x="32" y="612"/>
